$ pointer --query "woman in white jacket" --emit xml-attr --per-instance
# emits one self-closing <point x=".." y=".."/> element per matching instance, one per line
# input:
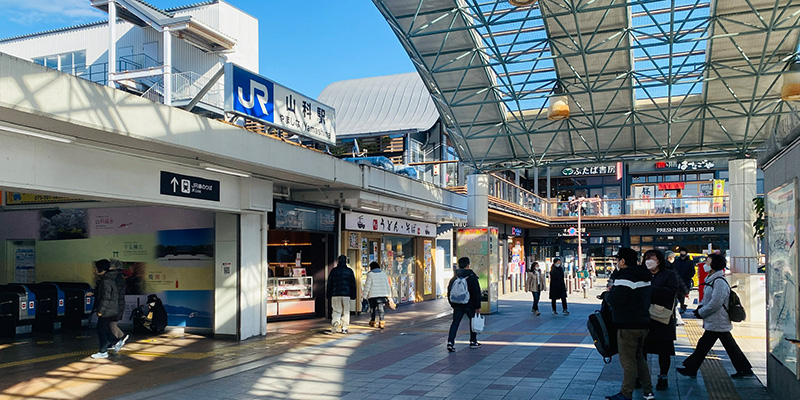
<point x="377" y="290"/>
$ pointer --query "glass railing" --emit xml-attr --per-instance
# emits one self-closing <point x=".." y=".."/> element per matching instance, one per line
<point x="678" y="205"/>
<point x="588" y="208"/>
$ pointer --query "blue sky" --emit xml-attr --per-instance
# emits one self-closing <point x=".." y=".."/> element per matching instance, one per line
<point x="304" y="45"/>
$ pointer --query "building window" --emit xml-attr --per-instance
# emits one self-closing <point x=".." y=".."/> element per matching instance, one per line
<point x="613" y="240"/>
<point x="71" y="63"/>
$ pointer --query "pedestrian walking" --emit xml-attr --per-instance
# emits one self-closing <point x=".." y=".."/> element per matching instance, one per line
<point x="716" y="322"/>
<point x="683" y="290"/>
<point x="119" y="279"/>
<point x="106" y="306"/>
<point x="684" y="265"/>
<point x="535" y="284"/>
<point x="341" y="289"/>
<point x="377" y="291"/>
<point x="663" y="293"/>
<point x="464" y="296"/>
<point x="558" y="287"/>
<point x="629" y="298"/>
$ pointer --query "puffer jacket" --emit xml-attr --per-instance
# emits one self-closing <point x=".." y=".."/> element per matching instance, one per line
<point x="106" y="298"/>
<point x="342" y="282"/>
<point x="629" y="297"/>
<point x="119" y="280"/>
<point x="473" y="286"/>
<point x="715" y="294"/>
<point x="535" y="282"/>
<point x="377" y="285"/>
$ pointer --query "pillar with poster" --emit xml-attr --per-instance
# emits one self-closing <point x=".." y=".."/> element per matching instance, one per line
<point x="481" y="246"/>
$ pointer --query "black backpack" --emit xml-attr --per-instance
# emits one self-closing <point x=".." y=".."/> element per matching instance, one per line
<point x="604" y="332"/>
<point x="734" y="308"/>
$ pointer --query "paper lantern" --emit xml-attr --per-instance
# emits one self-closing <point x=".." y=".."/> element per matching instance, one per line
<point x="790" y="91"/>
<point x="520" y="3"/>
<point x="559" y="105"/>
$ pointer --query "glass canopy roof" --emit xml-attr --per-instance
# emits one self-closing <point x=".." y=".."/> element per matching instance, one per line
<point x="643" y="78"/>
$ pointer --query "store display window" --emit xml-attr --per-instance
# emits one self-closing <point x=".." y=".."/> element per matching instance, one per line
<point x="398" y="260"/>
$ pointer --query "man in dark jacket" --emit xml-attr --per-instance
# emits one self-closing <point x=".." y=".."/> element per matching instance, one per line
<point x="341" y="289"/>
<point x="629" y="298"/>
<point x="106" y="303"/>
<point x="119" y="280"/>
<point x="684" y="266"/>
<point x="468" y="305"/>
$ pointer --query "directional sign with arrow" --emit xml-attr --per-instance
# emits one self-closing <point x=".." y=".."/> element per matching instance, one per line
<point x="173" y="184"/>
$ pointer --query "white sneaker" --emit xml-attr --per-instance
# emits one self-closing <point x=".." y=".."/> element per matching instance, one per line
<point x="335" y="328"/>
<point x="120" y="343"/>
<point x="100" y="355"/>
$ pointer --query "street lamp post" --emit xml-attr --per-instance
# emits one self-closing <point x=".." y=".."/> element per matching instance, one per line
<point x="579" y="201"/>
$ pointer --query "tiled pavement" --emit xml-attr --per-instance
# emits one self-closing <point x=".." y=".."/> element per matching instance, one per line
<point x="523" y="357"/>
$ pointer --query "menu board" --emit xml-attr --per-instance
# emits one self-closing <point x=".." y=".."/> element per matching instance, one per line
<point x="782" y="303"/>
<point x="293" y="216"/>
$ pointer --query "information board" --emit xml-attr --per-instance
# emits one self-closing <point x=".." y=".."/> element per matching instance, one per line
<point x="782" y="303"/>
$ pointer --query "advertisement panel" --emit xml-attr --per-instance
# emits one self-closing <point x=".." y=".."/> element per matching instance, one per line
<point x="255" y="97"/>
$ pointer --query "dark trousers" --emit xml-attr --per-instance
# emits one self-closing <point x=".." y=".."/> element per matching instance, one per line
<point x="104" y="333"/>
<point x="458" y="314"/>
<point x="536" y="296"/>
<point x="377" y="304"/>
<point x="707" y="341"/>
<point x="664" y="361"/>
<point x="563" y="304"/>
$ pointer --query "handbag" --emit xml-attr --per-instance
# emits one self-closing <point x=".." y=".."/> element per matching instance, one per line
<point x="478" y="322"/>
<point x="660" y="313"/>
<point x="364" y="305"/>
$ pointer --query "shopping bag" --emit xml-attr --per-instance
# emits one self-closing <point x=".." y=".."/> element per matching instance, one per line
<point x="478" y="323"/>
<point x="364" y="305"/>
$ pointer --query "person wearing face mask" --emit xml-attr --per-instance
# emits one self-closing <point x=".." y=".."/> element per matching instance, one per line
<point x="716" y="323"/>
<point x="558" y="287"/>
<point x="684" y="266"/>
<point x="663" y="292"/>
<point x="535" y="284"/>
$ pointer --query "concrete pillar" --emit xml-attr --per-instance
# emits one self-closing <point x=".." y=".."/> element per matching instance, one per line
<point x="112" y="42"/>
<point x="536" y="180"/>
<point x="167" y="66"/>
<point x="744" y="250"/>
<point x="548" y="184"/>
<point x="252" y="284"/>
<point x="478" y="200"/>
<point x="742" y="189"/>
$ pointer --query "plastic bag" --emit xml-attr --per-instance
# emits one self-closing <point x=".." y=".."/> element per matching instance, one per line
<point x="392" y="304"/>
<point x="364" y="305"/>
<point x="478" y="323"/>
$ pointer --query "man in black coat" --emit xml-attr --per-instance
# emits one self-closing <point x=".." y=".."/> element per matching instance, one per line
<point x="684" y="266"/>
<point x="629" y="298"/>
<point x="468" y="305"/>
<point x="341" y="289"/>
<point x="106" y="305"/>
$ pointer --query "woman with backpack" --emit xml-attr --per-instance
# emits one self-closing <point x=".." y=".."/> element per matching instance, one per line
<point x="663" y="293"/>
<point x="377" y="291"/>
<point x="535" y="284"/>
<point x="558" y="287"/>
<point x="716" y="322"/>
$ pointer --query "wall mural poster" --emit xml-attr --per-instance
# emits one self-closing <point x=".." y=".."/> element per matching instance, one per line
<point x="354" y="243"/>
<point x="782" y="303"/>
<point x="63" y="224"/>
<point x="428" y="272"/>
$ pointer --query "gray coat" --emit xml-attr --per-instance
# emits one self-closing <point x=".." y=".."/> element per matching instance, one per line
<point x="715" y="295"/>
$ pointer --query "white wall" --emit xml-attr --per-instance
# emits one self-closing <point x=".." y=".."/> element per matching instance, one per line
<point x="225" y="288"/>
<point x="252" y="293"/>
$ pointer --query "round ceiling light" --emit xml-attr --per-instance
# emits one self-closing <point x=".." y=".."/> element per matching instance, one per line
<point x="520" y="3"/>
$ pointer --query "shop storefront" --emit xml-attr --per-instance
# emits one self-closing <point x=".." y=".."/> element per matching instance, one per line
<point x="299" y="250"/>
<point x="403" y="248"/>
<point x="678" y="187"/>
<point x="600" y="181"/>
<point x="695" y="236"/>
<point x="598" y="247"/>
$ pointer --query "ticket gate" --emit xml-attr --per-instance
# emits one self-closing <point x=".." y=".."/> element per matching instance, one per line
<point x="78" y="303"/>
<point x="51" y="305"/>
<point x="17" y="310"/>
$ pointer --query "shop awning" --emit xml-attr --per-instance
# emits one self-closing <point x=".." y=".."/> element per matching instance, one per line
<point x="670" y="186"/>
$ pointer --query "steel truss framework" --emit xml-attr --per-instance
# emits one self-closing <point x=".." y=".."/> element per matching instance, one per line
<point x="644" y="78"/>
